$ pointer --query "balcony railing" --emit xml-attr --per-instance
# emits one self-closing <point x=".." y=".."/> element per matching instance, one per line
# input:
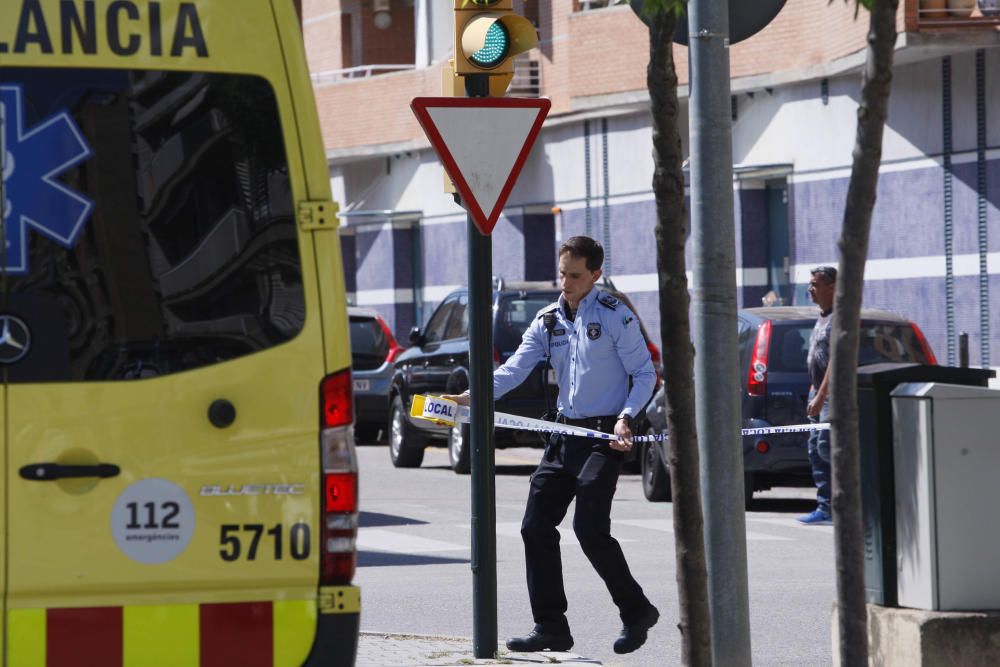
<point x="527" y="77"/>
<point x="359" y="72"/>
<point x="526" y="83"/>
<point x="922" y="15"/>
<point x="588" y="5"/>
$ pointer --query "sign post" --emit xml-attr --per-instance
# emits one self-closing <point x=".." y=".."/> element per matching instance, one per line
<point x="483" y="144"/>
<point x="481" y="459"/>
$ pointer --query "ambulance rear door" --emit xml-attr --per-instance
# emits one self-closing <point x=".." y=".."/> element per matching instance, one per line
<point x="163" y="478"/>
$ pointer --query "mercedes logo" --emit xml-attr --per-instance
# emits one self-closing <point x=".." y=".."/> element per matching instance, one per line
<point x="15" y="339"/>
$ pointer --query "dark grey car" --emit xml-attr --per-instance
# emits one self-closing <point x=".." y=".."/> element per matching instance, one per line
<point x="773" y="343"/>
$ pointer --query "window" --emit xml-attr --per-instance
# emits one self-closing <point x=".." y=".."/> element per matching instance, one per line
<point x="888" y="342"/>
<point x="369" y="345"/>
<point x="587" y="5"/>
<point x="793" y="347"/>
<point x="514" y="316"/>
<point x="439" y="321"/>
<point x="189" y="255"/>
<point x="458" y="325"/>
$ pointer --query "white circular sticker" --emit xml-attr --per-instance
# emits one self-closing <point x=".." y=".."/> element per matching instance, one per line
<point x="152" y="521"/>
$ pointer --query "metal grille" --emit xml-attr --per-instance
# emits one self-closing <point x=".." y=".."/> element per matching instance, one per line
<point x="984" y="277"/>
<point x="588" y="5"/>
<point x="527" y="77"/>
<point x="607" y="187"/>
<point x="949" y="248"/>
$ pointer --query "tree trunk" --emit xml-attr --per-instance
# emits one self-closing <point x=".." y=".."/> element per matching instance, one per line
<point x="848" y="532"/>
<point x="675" y="328"/>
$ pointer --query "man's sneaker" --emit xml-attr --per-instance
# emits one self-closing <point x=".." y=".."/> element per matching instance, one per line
<point x="817" y="518"/>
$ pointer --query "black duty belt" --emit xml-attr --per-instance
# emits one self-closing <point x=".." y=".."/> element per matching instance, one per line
<point x="603" y="424"/>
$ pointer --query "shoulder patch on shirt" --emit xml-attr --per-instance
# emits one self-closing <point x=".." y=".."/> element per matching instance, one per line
<point x="607" y="300"/>
<point x="552" y="307"/>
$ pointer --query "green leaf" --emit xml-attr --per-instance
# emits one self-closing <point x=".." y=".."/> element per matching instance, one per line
<point x="652" y="8"/>
<point x="858" y="4"/>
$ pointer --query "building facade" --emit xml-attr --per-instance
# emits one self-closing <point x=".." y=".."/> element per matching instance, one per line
<point x="935" y="243"/>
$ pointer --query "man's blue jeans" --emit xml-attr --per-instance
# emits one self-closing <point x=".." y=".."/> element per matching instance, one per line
<point x="819" y="457"/>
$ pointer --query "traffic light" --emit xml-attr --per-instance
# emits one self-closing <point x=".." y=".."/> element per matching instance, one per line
<point x="488" y="34"/>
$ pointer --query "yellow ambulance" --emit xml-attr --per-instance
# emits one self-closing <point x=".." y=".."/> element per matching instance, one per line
<point x="180" y="480"/>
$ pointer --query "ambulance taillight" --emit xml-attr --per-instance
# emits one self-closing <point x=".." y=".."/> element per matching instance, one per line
<point x="340" y="481"/>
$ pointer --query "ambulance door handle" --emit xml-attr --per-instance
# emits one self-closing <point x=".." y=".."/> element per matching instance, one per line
<point x="49" y="472"/>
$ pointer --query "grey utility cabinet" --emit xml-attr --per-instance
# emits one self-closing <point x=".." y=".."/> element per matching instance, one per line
<point x="946" y="448"/>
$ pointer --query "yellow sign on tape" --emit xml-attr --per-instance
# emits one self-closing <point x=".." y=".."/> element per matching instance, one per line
<point x="441" y="411"/>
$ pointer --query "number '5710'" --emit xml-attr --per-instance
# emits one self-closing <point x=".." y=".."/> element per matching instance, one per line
<point x="249" y="539"/>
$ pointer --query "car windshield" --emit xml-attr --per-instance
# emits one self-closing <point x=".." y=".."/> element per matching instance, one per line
<point x="369" y="345"/>
<point x="879" y="342"/>
<point x="514" y="314"/>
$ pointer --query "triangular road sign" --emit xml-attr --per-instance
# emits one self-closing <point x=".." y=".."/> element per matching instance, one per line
<point x="483" y="143"/>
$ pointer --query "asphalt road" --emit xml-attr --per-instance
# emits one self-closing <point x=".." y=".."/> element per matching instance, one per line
<point x="414" y="563"/>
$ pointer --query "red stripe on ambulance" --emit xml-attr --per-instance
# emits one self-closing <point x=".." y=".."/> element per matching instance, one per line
<point x="83" y="636"/>
<point x="237" y="634"/>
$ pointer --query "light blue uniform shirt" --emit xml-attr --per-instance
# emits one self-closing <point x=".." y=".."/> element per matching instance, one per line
<point x="593" y="357"/>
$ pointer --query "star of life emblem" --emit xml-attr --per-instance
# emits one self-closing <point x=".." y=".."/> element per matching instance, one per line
<point x="31" y="196"/>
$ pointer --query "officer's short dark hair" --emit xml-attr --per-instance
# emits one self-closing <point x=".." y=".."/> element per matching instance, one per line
<point x="828" y="272"/>
<point x="586" y="247"/>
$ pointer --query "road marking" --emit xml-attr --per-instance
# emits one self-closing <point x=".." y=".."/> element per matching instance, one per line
<point x="667" y="526"/>
<point x="376" y="539"/>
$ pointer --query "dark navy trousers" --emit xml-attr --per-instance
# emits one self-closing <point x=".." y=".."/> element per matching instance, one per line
<point x="585" y="470"/>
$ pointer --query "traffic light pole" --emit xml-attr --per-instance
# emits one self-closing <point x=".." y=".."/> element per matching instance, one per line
<point x="484" y="521"/>
<point x="717" y="380"/>
<point x="484" y="542"/>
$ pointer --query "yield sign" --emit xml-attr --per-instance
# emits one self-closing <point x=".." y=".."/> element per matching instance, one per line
<point x="483" y="143"/>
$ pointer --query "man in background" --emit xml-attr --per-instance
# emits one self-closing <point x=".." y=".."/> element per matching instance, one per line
<point x="822" y="285"/>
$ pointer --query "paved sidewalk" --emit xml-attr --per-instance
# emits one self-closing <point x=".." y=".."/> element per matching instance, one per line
<point x="377" y="649"/>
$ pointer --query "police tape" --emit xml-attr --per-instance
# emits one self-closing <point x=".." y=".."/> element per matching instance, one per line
<point x="444" y="412"/>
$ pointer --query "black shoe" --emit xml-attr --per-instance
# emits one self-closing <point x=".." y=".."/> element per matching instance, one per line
<point x="634" y="634"/>
<point x="541" y="641"/>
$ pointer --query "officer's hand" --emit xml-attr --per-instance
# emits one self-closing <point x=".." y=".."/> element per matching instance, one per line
<point x="624" y="433"/>
<point x="461" y="399"/>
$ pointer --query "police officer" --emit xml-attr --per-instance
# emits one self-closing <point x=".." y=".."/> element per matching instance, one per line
<point x="596" y="346"/>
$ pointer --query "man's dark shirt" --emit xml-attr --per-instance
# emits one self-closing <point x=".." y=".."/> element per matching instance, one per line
<point x="819" y="349"/>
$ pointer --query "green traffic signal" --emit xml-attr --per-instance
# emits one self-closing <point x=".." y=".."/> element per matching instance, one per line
<point x="495" y="46"/>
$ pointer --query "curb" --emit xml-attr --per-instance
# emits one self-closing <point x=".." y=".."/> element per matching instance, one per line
<point x="394" y="649"/>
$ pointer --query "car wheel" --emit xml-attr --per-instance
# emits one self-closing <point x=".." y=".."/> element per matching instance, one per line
<point x="406" y="447"/>
<point x="459" y="444"/>
<point x="655" y="476"/>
